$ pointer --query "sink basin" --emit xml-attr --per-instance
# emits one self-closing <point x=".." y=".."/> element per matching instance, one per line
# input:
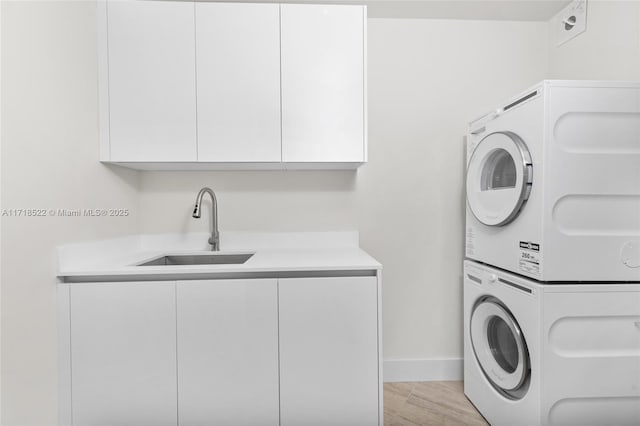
<point x="198" y="259"/>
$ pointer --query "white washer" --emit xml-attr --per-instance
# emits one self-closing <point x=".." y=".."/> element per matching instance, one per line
<point x="553" y="183"/>
<point x="566" y="354"/>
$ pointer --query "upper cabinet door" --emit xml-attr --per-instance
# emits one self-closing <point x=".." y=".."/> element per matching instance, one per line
<point x="238" y="76"/>
<point x="323" y="63"/>
<point x="152" y="87"/>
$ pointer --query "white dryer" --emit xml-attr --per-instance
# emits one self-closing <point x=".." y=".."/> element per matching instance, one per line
<point x="553" y="183"/>
<point x="550" y="354"/>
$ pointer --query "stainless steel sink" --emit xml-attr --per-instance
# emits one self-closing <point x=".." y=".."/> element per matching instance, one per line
<point x="198" y="259"/>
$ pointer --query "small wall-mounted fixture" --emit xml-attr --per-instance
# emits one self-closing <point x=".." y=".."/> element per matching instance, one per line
<point x="571" y="21"/>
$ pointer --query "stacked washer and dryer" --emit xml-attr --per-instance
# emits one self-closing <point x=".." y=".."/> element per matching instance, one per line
<point x="552" y="276"/>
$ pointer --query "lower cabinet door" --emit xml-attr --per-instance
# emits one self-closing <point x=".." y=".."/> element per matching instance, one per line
<point x="228" y="352"/>
<point x="123" y="352"/>
<point x="328" y="351"/>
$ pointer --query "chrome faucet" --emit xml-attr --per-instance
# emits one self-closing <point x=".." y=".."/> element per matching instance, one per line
<point x="214" y="240"/>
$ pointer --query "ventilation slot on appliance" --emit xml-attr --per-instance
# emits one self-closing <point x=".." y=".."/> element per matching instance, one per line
<point x="476" y="279"/>
<point x="521" y="100"/>
<point x="478" y="130"/>
<point x="514" y="285"/>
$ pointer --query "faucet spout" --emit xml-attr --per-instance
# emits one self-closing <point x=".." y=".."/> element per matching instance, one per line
<point x="214" y="240"/>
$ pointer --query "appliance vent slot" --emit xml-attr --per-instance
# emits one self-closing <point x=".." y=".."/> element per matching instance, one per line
<point x="514" y="285"/>
<point x="476" y="279"/>
<point x="521" y="100"/>
<point x="478" y="130"/>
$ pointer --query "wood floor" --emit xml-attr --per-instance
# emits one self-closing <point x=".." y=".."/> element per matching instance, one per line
<point x="428" y="403"/>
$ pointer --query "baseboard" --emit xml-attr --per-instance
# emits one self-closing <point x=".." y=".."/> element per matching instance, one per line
<point x="422" y="370"/>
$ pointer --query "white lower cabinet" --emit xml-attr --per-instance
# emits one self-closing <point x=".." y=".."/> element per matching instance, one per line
<point x="228" y="352"/>
<point x="294" y="351"/>
<point x="123" y="354"/>
<point x="328" y="351"/>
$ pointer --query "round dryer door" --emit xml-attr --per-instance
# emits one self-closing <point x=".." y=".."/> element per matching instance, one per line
<point x="500" y="348"/>
<point x="499" y="177"/>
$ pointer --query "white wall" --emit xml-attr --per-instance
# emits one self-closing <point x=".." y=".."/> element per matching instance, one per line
<point x="427" y="79"/>
<point x="49" y="160"/>
<point x="609" y="49"/>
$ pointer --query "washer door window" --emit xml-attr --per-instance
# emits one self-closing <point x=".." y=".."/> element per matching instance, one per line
<point x="500" y="348"/>
<point x="499" y="178"/>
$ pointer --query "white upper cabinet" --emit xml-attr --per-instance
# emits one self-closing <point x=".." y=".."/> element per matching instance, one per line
<point x="323" y="79"/>
<point x="238" y="69"/>
<point x="209" y="85"/>
<point x="151" y="81"/>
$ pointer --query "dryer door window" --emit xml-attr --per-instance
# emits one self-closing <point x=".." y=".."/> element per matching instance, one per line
<point x="500" y="348"/>
<point x="499" y="177"/>
<point x="499" y="171"/>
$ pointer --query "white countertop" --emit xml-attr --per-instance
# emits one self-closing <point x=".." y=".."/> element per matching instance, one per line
<point x="274" y="253"/>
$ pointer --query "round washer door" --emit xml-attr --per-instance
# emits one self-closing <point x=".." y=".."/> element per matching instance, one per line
<point x="500" y="348"/>
<point x="499" y="177"/>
